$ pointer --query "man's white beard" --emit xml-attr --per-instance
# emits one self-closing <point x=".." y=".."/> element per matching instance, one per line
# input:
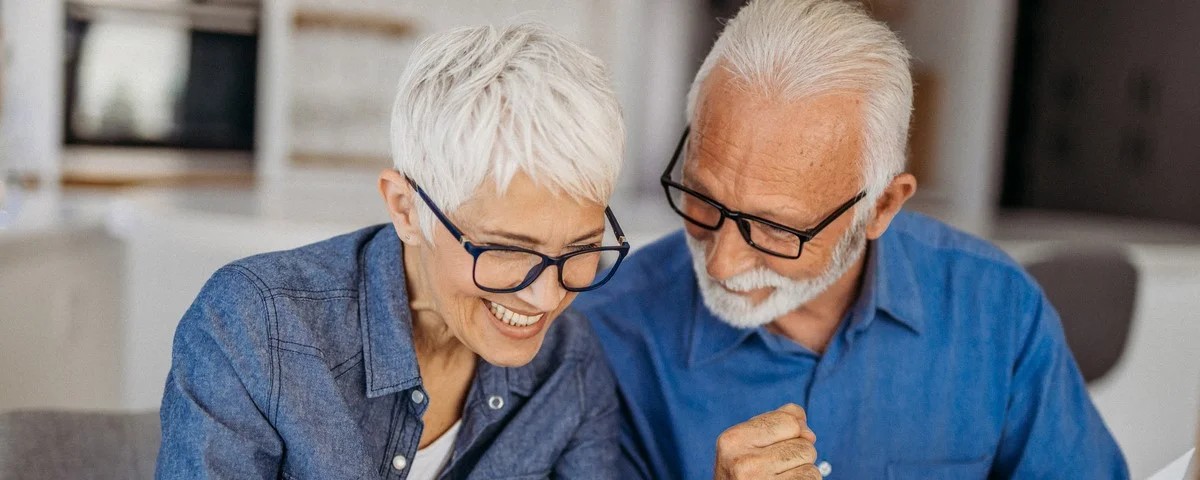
<point x="788" y="294"/>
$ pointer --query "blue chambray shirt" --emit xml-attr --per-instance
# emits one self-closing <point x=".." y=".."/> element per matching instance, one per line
<point x="300" y="365"/>
<point x="950" y="365"/>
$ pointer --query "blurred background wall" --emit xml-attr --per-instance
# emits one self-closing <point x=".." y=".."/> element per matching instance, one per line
<point x="144" y="143"/>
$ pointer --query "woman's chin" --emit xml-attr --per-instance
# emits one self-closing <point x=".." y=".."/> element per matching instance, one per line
<point x="511" y="354"/>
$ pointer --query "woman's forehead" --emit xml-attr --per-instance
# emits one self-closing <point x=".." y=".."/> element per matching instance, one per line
<point x="533" y="210"/>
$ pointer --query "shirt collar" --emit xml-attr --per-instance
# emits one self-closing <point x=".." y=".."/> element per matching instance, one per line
<point x="390" y="358"/>
<point x="711" y="336"/>
<point x="889" y="284"/>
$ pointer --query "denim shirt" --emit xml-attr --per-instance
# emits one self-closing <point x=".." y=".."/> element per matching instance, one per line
<point x="950" y="364"/>
<point x="300" y="364"/>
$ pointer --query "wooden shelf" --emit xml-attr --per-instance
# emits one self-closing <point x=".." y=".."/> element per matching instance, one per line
<point x="307" y="19"/>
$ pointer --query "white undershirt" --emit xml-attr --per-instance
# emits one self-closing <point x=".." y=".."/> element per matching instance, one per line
<point x="430" y="460"/>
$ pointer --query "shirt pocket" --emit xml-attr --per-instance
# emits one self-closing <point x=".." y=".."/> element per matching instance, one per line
<point x="951" y="470"/>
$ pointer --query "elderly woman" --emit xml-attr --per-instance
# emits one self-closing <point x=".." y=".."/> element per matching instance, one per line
<point x="430" y="347"/>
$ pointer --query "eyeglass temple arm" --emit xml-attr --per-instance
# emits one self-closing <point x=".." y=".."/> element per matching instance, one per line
<point x="458" y="235"/>
<point x="675" y="156"/>
<point x="837" y="213"/>
<point x="616" y="226"/>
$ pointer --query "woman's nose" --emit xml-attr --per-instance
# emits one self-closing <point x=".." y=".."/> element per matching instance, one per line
<point x="545" y="293"/>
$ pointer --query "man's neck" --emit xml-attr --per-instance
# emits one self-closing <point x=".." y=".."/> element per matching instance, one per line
<point x="813" y="324"/>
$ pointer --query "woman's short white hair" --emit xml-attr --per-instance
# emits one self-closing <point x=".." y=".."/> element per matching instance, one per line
<point x="793" y="49"/>
<point x="486" y="100"/>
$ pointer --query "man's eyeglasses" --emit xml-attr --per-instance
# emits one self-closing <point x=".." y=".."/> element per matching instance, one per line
<point x="507" y="269"/>
<point x="764" y="235"/>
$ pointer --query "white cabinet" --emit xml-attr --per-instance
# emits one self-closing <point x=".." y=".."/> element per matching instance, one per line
<point x="60" y="319"/>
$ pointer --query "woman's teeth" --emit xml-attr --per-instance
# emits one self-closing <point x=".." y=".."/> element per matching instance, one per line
<point x="513" y="318"/>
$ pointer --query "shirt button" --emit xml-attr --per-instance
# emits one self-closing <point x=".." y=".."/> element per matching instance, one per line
<point x="418" y="396"/>
<point x="495" y="402"/>
<point x="399" y="462"/>
<point x="825" y="468"/>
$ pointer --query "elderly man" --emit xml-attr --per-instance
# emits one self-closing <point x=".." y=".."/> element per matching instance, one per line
<point x="801" y="325"/>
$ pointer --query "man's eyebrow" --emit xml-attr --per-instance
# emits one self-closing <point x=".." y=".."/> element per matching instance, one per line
<point x="773" y="214"/>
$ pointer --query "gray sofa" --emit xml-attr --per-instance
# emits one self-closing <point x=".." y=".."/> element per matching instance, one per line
<point x="44" y="445"/>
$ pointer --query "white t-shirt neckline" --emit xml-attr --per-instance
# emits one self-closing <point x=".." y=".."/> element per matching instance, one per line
<point x="430" y="461"/>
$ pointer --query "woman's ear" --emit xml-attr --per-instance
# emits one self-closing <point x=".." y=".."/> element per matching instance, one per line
<point x="399" y="195"/>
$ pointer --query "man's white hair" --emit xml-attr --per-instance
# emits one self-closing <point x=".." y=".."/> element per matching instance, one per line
<point x="792" y="49"/>
<point x="485" y="100"/>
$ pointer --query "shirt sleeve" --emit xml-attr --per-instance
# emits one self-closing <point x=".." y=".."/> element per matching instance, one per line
<point x="1052" y="429"/>
<point x="632" y="463"/>
<point x="593" y="452"/>
<point x="215" y="405"/>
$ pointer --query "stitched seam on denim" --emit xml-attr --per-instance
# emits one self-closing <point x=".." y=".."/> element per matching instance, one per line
<point x="346" y="365"/>
<point x="312" y="298"/>
<point x="307" y="354"/>
<point x="269" y="307"/>
<point x="348" y="369"/>
<point x="280" y="341"/>
<point x="403" y="385"/>
<point x="392" y="434"/>
<point x="343" y="362"/>
<point x="365" y="321"/>
<point x="410" y="410"/>
<point x="348" y="291"/>
<point x="276" y="362"/>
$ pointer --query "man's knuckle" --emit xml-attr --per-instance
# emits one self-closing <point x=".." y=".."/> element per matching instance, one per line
<point x="795" y="425"/>
<point x="807" y="452"/>
<point x="808" y="472"/>
<point x="728" y="438"/>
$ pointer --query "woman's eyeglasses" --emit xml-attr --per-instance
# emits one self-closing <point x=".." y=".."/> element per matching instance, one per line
<point x="507" y="269"/>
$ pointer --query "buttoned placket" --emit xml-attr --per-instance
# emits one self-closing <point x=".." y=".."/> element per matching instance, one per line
<point x="408" y="413"/>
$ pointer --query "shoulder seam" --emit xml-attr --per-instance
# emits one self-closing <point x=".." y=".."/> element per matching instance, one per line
<point x="272" y="327"/>
<point x="1000" y="259"/>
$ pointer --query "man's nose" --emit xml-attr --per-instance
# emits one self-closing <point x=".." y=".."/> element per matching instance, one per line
<point x="728" y="253"/>
<point x="545" y="293"/>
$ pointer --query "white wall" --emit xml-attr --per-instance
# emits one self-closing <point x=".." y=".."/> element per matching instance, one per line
<point x="968" y="44"/>
<point x="30" y="128"/>
<point x="329" y="92"/>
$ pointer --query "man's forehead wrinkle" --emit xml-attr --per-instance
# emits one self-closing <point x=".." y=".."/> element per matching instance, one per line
<point x="746" y="156"/>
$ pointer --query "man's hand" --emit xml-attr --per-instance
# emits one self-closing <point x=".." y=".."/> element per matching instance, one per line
<point x="776" y="444"/>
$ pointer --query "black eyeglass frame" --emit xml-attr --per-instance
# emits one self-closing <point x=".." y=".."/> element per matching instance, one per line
<point x="536" y="271"/>
<point x="743" y="219"/>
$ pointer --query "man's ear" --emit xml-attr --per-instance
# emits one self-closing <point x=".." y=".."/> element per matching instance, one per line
<point x="889" y="203"/>
<point x="399" y="196"/>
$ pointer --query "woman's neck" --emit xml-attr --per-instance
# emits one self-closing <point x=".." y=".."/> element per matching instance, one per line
<point x="432" y="338"/>
<point x="447" y="366"/>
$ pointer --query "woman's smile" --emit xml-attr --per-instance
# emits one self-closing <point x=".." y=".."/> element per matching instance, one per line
<point x="515" y="324"/>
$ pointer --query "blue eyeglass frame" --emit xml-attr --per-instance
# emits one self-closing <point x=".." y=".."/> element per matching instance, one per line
<point x="547" y="260"/>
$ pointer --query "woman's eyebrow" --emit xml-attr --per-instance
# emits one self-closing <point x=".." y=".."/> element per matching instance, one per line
<point x="521" y="238"/>
<point x="594" y="233"/>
